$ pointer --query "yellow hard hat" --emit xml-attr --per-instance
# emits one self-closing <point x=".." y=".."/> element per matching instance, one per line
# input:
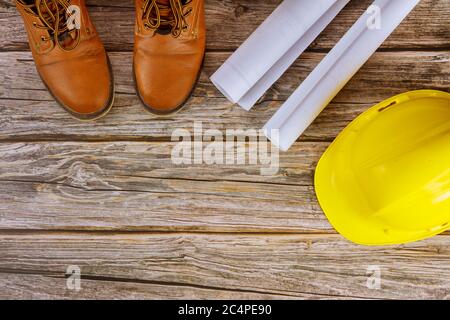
<point x="386" y="177"/>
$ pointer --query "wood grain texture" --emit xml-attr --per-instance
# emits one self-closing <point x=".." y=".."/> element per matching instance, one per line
<point x="135" y="186"/>
<point x="29" y="112"/>
<point x="105" y="195"/>
<point x="288" y="265"/>
<point x="230" y="22"/>
<point x="40" y="287"/>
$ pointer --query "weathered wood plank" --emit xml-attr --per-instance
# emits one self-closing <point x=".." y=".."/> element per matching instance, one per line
<point x="29" y="286"/>
<point x="230" y="22"/>
<point x="27" y="111"/>
<point x="290" y="265"/>
<point x="135" y="186"/>
<point x="111" y="187"/>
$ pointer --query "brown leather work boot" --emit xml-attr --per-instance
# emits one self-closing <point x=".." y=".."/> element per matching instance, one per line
<point x="168" y="51"/>
<point x="69" y="55"/>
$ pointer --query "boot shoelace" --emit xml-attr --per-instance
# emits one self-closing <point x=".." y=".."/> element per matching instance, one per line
<point x="54" y="16"/>
<point x="173" y="15"/>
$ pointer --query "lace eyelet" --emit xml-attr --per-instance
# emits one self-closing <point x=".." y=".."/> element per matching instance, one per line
<point x="177" y="23"/>
<point x="53" y="19"/>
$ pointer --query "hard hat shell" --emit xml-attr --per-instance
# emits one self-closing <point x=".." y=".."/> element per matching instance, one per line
<point x="386" y="177"/>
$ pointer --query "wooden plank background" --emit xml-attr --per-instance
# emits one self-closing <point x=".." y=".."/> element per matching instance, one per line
<point x="105" y="195"/>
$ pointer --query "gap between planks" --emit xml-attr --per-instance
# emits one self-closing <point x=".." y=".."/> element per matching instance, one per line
<point x="160" y="231"/>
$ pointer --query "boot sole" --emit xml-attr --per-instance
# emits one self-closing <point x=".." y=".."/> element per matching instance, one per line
<point x="90" y="116"/>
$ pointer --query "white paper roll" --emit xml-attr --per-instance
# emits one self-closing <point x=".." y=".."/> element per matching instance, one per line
<point x="272" y="48"/>
<point x="336" y="69"/>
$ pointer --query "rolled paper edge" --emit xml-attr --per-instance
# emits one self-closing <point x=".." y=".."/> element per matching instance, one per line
<point x="232" y="89"/>
<point x="274" y="123"/>
<point x="222" y="76"/>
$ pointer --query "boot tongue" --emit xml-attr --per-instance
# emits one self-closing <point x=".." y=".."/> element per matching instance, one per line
<point x="165" y="14"/>
<point x="65" y="39"/>
<point x="31" y="4"/>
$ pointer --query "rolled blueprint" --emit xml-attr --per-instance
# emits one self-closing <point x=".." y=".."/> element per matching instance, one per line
<point x="336" y="69"/>
<point x="272" y="48"/>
